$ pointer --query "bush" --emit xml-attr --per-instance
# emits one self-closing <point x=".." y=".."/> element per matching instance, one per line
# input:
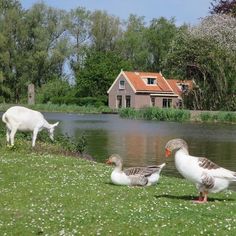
<point x="56" y="91"/>
<point x="155" y="113"/>
<point x="128" y="113"/>
<point x="92" y="101"/>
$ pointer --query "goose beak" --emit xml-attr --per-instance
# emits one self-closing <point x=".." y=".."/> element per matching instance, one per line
<point x="108" y="161"/>
<point x="168" y="152"/>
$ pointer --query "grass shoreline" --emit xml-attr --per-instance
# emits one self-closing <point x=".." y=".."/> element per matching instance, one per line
<point x="50" y="194"/>
<point x="178" y="115"/>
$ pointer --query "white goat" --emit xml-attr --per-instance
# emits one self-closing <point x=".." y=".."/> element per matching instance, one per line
<point x="24" y="119"/>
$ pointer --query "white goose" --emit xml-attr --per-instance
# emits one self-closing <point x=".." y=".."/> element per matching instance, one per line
<point x="208" y="176"/>
<point x="139" y="176"/>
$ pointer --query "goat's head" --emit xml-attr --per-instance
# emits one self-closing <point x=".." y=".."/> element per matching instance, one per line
<point x="51" y="130"/>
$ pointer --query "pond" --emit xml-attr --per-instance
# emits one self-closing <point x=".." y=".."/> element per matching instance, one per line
<point x="142" y="143"/>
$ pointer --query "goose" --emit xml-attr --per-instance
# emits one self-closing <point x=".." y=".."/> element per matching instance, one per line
<point x="205" y="174"/>
<point x="134" y="176"/>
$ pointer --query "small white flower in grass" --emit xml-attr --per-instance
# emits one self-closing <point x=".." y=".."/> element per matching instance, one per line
<point x="62" y="232"/>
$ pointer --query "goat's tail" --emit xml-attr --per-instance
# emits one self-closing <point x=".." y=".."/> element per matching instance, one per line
<point x="4" y="118"/>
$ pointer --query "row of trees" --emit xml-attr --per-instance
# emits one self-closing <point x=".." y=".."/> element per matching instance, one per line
<point x="43" y="44"/>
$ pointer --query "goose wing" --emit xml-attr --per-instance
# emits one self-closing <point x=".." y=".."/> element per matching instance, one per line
<point x="214" y="170"/>
<point x="144" y="171"/>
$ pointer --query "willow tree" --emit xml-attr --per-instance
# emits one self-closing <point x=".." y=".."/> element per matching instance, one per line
<point x="206" y="54"/>
<point x="78" y="26"/>
<point x="46" y="45"/>
<point x="11" y="30"/>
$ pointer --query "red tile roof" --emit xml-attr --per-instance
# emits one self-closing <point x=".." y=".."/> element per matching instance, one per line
<point x="174" y="85"/>
<point x="136" y="79"/>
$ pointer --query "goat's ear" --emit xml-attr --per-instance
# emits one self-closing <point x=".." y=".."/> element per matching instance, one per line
<point x="56" y="124"/>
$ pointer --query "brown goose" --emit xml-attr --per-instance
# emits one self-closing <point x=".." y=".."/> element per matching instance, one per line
<point x="208" y="176"/>
<point x="139" y="176"/>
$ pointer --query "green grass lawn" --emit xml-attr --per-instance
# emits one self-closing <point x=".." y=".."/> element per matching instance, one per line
<point x="48" y="194"/>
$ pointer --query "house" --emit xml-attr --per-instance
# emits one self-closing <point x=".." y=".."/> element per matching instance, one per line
<point x="145" y="89"/>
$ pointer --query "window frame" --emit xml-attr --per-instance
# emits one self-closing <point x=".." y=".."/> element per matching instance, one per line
<point x="128" y="98"/>
<point x="119" y="101"/>
<point x="151" y="81"/>
<point x="167" y="102"/>
<point x="121" y="86"/>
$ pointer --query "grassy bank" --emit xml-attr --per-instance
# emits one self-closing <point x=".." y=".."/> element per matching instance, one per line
<point x="158" y="114"/>
<point x="61" y="108"/>
<point x="49" y="194"/>
<point x="227" y="117"/>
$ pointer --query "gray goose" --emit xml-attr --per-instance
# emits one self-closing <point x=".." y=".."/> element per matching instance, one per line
<point x="134" y="176"/>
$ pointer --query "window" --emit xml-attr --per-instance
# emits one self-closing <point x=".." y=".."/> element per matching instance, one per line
<point x="122" y="84"/>
<point x="180" y="103"/>
<point x="167" y="103"/>
<point x="150" y="81"/>
<point x="119" y="101"/>
<point x="127" y="100"/>
<point x="184" y="88"/>
<point x="153" y="101"/>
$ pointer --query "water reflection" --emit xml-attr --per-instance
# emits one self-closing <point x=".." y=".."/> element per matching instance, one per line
<point x="142" y="142"/>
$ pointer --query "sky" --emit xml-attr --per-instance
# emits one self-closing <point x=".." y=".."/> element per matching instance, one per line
<point x="184" y="11"/>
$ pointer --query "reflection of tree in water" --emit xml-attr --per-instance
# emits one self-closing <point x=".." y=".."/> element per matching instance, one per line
<point x="97" y="143"/>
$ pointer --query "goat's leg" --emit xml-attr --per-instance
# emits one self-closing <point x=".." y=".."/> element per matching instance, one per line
<point x="12" y="135"/>
<point x="8" y="135"/>
<point x="35" y="133"/>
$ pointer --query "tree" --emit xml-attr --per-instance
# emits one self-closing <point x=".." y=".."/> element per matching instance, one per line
<point x="227" y="7"/>
<point x="133" y="45"/>
<point x="219" y="28"/>
<point x="105" y="31"/>
<point x="211" y="68"/>
<point x="46" y="46"/>
<point x="11" y="29"/>
<point x="98" y="73"/>
<point x="33" y="47"/>
<point x="206" y="54"/>
<point x="79" y="28"/>
<point x="159" y="36"/>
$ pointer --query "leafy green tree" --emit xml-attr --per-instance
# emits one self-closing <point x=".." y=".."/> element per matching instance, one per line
<point x="105" y="31"/>
<point x="133" y="45"/>
<point x="211" y="68"/>
<point x="33" y="47"/>
<point x="78" y="26"/>
<point x="46" y="46"/>
<point x="11" y="28"/>
<point x="98" y="73"/>
<point x="57" y="91"/>
<point x="159" y="36"/>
